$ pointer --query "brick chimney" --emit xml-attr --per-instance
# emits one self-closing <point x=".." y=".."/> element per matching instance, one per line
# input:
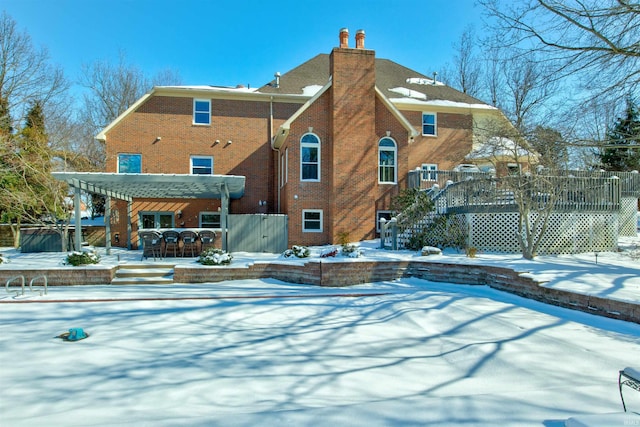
<point x="360" y="39"/>
<point x="344" y="38"/>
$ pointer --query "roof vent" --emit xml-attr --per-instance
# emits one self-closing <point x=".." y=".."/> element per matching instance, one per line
<point x="277" y="76"/>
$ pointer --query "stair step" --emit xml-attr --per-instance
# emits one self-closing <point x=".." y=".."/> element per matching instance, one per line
<point x="136" y="274"/>
<point x="142" y="281"/>
<point x="145" y="266"/>
<point x="144" y="272"/>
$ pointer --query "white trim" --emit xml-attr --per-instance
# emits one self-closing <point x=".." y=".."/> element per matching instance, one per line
<point x="304" y="230"/>
<point x="191" y="158"/>
<point x="311" y="145"/>
<point x="429" y="171"/>
<point x="208" y="101"/>
<point x="128" y="154"/>
<point x="395" y="160"/>
<point x="435" y="123"/>
<point x="283" y="131"/>
<point x="397" y="114"/>
<point x="209" y="213"/>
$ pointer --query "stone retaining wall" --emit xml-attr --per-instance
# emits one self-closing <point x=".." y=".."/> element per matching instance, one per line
<point x="63" y="276"/>
<point x="336" y="273"/>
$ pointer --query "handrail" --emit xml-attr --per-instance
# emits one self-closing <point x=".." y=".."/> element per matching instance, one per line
<point x="46" y="281"/>
<point x="12" y="279"/>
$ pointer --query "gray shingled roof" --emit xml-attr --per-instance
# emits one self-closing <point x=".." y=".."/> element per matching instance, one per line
<point x="389" y="75"/>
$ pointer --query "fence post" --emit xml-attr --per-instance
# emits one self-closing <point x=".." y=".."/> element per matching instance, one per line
<point x="394" y="233"/>
<point x="383" y="232"/>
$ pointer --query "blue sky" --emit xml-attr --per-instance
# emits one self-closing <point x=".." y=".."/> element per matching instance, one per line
<point x="238" y="42"/>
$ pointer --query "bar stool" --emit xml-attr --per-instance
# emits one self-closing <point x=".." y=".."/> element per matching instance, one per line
<point x="170" y="239"/>
<point x="207" y="239"/>
<point x="188" y="241"/>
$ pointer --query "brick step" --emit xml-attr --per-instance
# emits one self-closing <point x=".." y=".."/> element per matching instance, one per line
<point x="142" y="280"/>
<point x="137" y="274"/>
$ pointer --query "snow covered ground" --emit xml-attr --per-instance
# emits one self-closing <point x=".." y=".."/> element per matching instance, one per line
<point x="268" y="353"/>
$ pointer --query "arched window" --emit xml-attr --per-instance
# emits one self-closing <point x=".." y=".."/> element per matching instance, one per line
<point x="309" y="157"/>
<point x="387" y="161"/>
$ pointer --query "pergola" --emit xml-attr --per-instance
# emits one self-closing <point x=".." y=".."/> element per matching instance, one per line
<point x="128" y="186"/>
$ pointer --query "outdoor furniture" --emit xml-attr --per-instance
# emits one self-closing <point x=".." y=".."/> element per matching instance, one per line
<point x="207" y="239"/>
<point x="171" y="239"/>
<point x="188" y="242"/>
<point x="631" y="378"/>
<point x="151" y="244"/>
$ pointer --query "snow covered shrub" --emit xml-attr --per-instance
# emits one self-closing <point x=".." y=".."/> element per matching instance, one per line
<point x="330" y="252"/>
<point x="82" y="258"/>
<point x="297" y="251"/>
<point x="214" y="256"/>
<point x="350" y="250"/>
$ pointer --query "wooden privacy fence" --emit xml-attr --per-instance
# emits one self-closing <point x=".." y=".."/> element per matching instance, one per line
<point x="257" y="233"/>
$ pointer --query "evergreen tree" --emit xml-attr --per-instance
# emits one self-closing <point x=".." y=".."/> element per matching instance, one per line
<point x="623" y="148"/>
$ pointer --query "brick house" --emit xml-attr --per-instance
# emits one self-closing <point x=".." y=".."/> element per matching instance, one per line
<point x="329" y="144"/>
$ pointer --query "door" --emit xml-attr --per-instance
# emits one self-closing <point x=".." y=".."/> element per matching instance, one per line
<point x="156" y="220"/>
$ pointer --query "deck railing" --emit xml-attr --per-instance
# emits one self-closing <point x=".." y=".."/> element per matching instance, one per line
<point x="477" y="192"/>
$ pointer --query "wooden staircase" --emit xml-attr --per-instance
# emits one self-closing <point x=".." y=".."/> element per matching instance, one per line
<point x="143" y="274"/>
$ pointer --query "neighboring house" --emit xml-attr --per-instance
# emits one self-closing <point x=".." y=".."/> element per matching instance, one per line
<point x="329" y="144"/>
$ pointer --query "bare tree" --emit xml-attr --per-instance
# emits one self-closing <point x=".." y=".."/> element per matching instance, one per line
<point x="593" y="42"/>
<point x="26" y="76"/>
<point x="532" y="189"/>
<point x="467" y="68"/>
<point x="112" y="89"/>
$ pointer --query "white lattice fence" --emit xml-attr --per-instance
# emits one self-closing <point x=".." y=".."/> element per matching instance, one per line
<point x="567" y="233"/>
<point x="628" y="212"/>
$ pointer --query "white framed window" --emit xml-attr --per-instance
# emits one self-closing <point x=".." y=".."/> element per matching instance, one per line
<point x="129" y="163"/>
<point x="387" y="161"/>
<point x="209" y="220"/>
<point x="282" y="170"/>
<point x="429" y="124"/>
<point x="284" y="167"/>
<point x="201" y="111"/>
<point x="312" y="220"/>
<point x="310" y="157"/>
<point x="201" y="165"/>
<point x="387" y="215"/>
<point x="429" y="172"/>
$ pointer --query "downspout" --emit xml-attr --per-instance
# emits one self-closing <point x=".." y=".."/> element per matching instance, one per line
<point x="277" y="150"/>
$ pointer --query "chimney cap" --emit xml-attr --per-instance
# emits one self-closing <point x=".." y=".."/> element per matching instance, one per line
<point x="344" y="38"/>
<point x="360" y="39"/>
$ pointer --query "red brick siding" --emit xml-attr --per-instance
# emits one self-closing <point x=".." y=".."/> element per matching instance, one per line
<point x="453" y="143"/>
<point x="354" y="146"/>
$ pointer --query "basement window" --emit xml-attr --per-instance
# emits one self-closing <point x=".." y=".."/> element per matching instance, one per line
<point x="312" y="220"/>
